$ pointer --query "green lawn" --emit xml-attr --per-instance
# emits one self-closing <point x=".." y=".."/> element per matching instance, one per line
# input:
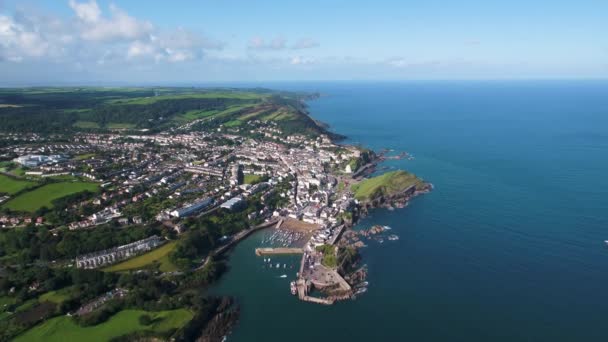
<point x="251" y="179"/>
<point x="84" y="156"/>
<point x="118" y="125"/>
<point x="44" y="195"/>
<point x="207" y="95"/>
<point x="56" y="297"/>
<point x="111" y="125"/>
<point x="159" y="255"/>
<point x="11" y="185"/>
<point x="386" y="184"/>
<point x="233" y="123"/>
<point x="192" y="115"/>
<point x="62" y="329"/>
<point x="86" y="124"/>
<point x="5" y="301"/>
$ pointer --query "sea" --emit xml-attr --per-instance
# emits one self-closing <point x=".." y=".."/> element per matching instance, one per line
<point x="509" y="246"/>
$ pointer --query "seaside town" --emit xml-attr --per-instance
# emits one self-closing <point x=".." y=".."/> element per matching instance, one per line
<point x="168" y="204"/>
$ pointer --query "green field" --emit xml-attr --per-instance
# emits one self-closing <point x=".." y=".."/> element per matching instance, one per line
<point x="158" y="256"/>
<point x="387" y="184"/>
<point x="84" y="156"/>
<point x="251" y="179"/>
<point x="11" y="185"/>
<point x="57" y="297"/>
<point x="44" y="195"/>
<point x="63" y="328"/>
<point x="117" y="125"/>
<point x="86" y="124"/>
<point x="233" y="123"/>
<point x="207" y="95"/>
<point x="111" y="125"/>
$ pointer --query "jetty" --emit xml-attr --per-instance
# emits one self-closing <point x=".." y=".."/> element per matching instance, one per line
<point x="278" y="251"/>
<point x="236" y="239"/>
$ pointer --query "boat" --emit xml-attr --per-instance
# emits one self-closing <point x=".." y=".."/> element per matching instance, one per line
<point x="393" y="237"/>
<point x="283" y="276"/>
<point x="387" y="227"/>
<point x="361" y="290"/>
<point x="293" y="288"/>
<point x="363" y="284"/>
<point x="278" y="265"/>
<point x="284" y="265"/>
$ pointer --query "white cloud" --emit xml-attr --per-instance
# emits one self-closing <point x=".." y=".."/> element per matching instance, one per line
<point x="88" y="12"/>
<point x="120" y="25"/>
<point x="93" y="37"/>
<point x="299" y="60"/>
<point x="18" y="41"/>
<point x="305" y="43"/>
<point x="258" y="43"/>
<point x="280" y="43"/>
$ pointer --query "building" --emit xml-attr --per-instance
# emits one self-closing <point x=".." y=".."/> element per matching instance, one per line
<point x="33" y="160"/>
<point x="112" y="255"/>
<point x="192" y="209"/>
<point x="234" y="203"/>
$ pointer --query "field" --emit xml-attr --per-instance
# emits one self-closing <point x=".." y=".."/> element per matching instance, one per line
<point x="86" y="124"/>
<point x="84" y="156"/>
<point x="158" y="256"/>
<point x="57" y="297"/>
<point x="116" y="125"/>
<point x="63" y="328"/>
<point x="44" y="195"/>
<point x="251" y="179"/>
<point x="204" y="95"/>
<point x="386" y="184"/>
<point x="11" y="185"/>
<point x="111" y="125"/>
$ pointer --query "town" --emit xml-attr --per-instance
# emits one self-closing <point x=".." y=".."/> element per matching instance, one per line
<point x="167" y="204"/>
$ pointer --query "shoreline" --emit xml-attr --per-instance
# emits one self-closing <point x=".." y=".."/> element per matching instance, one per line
<point x="347" y="279"/>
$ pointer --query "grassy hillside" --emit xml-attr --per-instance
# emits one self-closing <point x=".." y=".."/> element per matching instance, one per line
<point x="63" y="328"/>
<point x="43" y="196"/>
<point x="387" y="184"/>
<point x="11" y="185"/>
<point x="159" y="256"/>
<point x="85" y="109"/>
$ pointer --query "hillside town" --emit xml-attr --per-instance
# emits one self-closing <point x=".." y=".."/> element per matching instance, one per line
<point x="194" y="173"/>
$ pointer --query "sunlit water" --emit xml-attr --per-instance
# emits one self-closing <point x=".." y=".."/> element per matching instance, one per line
<point x="509" y="246"/>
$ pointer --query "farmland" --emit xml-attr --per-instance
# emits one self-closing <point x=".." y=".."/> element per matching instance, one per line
<point x="44" y="195"/>
<point x="10" y="185"/>
<point x="159" y="256"/>
<point x="125" y="322"/>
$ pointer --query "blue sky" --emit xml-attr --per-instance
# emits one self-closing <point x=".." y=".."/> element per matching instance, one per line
<point x="88" y="41"/>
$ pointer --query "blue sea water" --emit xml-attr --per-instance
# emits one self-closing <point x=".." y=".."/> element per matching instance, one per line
<point x="508" y="247"/>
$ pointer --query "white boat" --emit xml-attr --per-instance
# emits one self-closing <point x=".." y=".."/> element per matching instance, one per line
<point x="278" y="265"/>
<point x="293" y="288"/>
<point x="387" y="227"/>
<point x="363" y="284"/>
<point x="283" y="276"/>
<point x="361" y="290"/>
<point x="284" y="265"/>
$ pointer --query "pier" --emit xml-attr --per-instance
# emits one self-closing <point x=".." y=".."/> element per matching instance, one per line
<point x="278" y="251"/>
<point x="236" y="239"/>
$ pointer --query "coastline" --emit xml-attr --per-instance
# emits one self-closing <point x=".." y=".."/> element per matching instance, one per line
<point x="348" y="279"/>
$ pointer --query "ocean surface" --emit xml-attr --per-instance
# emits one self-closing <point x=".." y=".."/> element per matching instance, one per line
<point x="508" y="247"/>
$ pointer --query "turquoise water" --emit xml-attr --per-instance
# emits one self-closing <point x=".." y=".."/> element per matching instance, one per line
<point x="509" y="246"/>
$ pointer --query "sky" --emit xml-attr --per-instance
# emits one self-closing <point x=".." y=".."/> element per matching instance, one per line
<point x="191" y="42"/>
